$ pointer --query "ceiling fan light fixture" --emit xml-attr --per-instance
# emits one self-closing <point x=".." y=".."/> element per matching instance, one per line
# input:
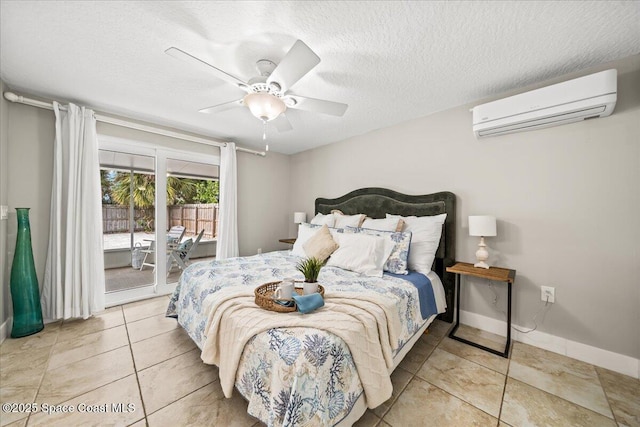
<point x="289" y="101"/>
<point x="264" y="106"/>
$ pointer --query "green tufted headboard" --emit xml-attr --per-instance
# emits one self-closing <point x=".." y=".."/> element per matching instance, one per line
<point x="377" y="202"/>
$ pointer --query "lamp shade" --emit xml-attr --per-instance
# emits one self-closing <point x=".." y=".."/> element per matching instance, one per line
<point x="482" y="225"/>
<point x="264" y="105"/>
<point x="299" y="217"/>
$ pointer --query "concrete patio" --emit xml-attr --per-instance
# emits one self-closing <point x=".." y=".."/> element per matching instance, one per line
<point x="120" y="275"/>
<point x="118" y="279"/>
<point x="123" y="240"/>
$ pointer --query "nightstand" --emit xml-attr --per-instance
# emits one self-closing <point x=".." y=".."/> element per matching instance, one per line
<point x="289" y="241"/>
<point x="496" y="274"/>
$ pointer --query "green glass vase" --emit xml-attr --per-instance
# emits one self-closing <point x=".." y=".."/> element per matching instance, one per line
<point x="25" y="293"/>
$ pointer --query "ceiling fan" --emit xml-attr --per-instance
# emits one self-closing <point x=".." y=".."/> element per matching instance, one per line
<point x="268" y="94"/>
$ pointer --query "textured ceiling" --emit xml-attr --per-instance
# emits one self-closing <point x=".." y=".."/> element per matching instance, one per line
<point x="390" y="61"/>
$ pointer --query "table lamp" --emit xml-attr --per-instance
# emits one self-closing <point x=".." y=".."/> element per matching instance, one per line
<point x="483" y="226"/>
<point x="299" y="217"/>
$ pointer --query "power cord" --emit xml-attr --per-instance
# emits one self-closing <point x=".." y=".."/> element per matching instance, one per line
<point x="535" y="324"/>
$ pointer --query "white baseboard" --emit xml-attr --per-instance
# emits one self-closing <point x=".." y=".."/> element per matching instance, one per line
<point x="5" y="332"/>
<point x="596" y="356"/>
<point x="4" y="329"/>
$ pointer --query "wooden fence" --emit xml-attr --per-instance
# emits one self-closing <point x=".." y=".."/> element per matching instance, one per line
<point x="194" y="217"/>
<point x="115" y="219"/>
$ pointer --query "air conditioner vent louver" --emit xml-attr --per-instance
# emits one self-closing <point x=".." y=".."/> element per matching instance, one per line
<point x="584" y="98"/>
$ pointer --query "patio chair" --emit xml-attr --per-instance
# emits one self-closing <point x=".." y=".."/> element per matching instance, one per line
<point x="174" y="236"/>
<point x="181" y="254"/>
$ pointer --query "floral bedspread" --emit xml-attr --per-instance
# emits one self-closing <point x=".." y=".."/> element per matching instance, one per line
<point x="290" y="376"/>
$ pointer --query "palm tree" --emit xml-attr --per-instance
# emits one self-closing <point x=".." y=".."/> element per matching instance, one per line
<point x="179" y="190"/>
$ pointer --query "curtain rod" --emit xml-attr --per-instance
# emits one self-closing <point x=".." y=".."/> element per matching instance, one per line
<point x="10" y="96"/>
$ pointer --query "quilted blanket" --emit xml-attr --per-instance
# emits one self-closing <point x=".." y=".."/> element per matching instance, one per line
<point x="364" y="325"/>
<point x="296" y="374"/>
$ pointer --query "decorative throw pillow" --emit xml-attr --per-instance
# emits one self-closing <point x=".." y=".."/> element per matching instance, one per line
<point x="321" y="219"/>
<point x="305" y="232"/>
<point x="383" y="224"/>
<point x="320" y="245"/>
<point x="361" y="253"/>
<point x="425" y="238"/>
<point x="398" y="261"/>
<point x="343" y="221"/>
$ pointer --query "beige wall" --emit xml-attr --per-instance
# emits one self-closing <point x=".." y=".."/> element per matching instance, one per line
<point x="151" y="138"/>
<point x="5" y="303"/>
<point x="30" y="169"/>
<point x="567" y="201"/>
<point x="263" y="202"/>
<point x="263" y="187"/>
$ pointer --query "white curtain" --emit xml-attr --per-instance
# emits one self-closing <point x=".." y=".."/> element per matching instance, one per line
<point x="74" y="273"/>
<point x="227" y="245"/>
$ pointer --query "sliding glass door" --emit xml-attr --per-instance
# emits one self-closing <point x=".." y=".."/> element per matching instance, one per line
<point x="146" y="248"/>
<point x="128" y="219"/>
<point x="192" y="206"/>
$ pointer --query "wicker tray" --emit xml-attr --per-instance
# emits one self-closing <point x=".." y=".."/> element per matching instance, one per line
<point x="264" y="297"/>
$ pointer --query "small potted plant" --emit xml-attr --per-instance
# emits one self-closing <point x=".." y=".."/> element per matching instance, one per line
<point x="310" y="268"/>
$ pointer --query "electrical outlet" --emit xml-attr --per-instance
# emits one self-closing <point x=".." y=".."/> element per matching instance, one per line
<point x="4" y="211"/>
<point x="548" y="294"/>
<point x="259" y="251"/>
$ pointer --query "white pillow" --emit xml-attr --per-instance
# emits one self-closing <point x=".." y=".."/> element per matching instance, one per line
<point x="398" y="260"/>
<point x="305" y="232"/>
<point x="344" y="221"/>
<point x="384" y="224"/>
<point x="361" y="253"/>
<point x="320" y="219"/>
<point x="425" y="238"/>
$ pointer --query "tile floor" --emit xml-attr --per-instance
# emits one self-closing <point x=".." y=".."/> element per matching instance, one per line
<point x="133" y="355"/>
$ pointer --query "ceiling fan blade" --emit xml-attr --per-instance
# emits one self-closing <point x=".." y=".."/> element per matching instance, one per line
<point x="319" y="105"/>
<point x="222" y="107"/>
<point x="282" y="123"/>
<point x="296" y="63"/>
<point x="186" y="57"/>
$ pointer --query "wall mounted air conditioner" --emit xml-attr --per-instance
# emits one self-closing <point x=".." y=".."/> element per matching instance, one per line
<point x="584" y="98"/>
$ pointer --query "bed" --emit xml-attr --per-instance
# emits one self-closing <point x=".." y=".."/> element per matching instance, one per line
<point x="327" y="367"/>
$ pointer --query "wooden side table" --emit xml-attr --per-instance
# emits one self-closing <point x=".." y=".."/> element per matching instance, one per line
<point x="493" y="273"/>
<point x="289" y="241"/>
